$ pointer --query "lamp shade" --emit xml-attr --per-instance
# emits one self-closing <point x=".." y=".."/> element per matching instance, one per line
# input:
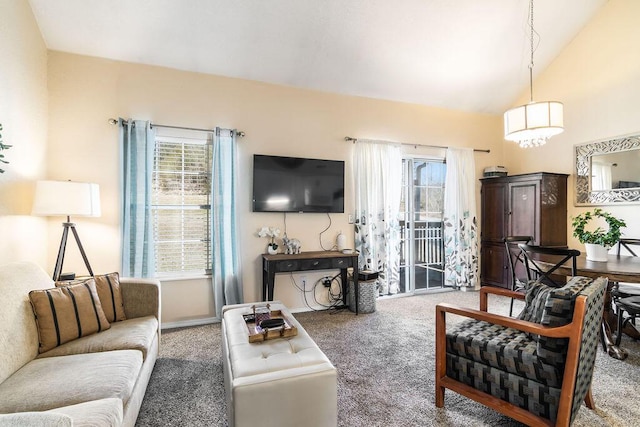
<point x="66" y="198"/>
<point x="532" y="124"/>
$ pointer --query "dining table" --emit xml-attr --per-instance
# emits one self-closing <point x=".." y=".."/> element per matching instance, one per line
<point x="617" y="268"/>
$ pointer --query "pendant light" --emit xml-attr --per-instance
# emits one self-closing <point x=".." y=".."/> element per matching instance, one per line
<point x="532" y="124"/>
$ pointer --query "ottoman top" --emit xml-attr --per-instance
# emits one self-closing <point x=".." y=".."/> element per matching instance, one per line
<point x="249" y="359"/>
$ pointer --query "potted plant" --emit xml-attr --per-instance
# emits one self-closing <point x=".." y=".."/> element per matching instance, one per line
<point x="272" y="233"/>
<point x="2" y="148"/>
<point x="597" y="242"/>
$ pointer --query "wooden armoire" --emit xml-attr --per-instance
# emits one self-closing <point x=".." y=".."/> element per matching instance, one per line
<point x="533" y="204"/>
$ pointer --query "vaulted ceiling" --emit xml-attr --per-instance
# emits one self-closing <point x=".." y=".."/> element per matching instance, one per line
<point x="469" y="55"/>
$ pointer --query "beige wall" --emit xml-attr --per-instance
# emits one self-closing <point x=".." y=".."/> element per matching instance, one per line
<point x="597" y="77"/>
<point x="23" y="114"/>
<point x="85" y="92"/>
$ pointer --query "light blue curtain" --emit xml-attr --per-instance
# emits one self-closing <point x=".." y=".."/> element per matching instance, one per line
<point x="137" y="142"/>
<point x="378" y="179"/>
<point x="226" y="269"/>
<point x="460" y="220"/>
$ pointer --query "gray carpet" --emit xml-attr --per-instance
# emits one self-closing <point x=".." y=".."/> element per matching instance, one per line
<point x="385" y="363"/>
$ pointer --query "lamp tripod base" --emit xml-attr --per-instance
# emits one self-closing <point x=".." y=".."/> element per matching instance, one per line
<point x="57" y="271"/>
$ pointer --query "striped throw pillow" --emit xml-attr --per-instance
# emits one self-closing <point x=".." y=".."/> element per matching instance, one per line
<point x="67" y="313"/>
<point x="108" y="286"/>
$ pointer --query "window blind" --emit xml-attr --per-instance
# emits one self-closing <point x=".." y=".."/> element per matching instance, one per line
<point x="181" y="205"/>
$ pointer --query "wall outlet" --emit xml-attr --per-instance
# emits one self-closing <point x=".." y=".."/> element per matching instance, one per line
<point x="326" y="281"/>
<point x="350" y="218"/>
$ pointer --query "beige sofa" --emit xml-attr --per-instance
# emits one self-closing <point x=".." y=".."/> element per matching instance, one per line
<point x="97" y="380"/>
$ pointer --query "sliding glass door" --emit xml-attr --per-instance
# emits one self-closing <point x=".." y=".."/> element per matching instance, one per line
<point x="422" y="248"/>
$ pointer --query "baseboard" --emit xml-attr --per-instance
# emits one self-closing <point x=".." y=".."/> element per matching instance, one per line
<point x="187" y="323"/>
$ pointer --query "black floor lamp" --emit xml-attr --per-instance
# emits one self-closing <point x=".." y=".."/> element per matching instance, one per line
<point x="66" y="198"/>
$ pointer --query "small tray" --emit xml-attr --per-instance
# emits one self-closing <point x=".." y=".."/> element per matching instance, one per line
<point x="257" y="334"/>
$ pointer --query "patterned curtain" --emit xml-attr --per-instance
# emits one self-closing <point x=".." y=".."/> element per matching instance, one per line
<point x="226" y="270"/>
<point x="460" y="220"/>
<point x="378" y="182"/>
<point x="137" y="142"/>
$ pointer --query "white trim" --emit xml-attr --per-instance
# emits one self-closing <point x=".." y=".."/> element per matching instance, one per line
<point x="173" y="278"/>
<point x="186" y="323"/>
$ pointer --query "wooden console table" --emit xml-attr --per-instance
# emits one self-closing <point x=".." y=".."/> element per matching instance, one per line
<point x="320" y="260"/>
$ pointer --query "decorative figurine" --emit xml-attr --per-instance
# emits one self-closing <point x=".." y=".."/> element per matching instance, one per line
<point x="291" y="246"/>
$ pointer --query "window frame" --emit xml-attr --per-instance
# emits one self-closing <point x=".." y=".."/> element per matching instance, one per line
<point x="185" y="138"/>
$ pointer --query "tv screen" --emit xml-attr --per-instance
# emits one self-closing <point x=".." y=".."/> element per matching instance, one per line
<point x="291" y="184"/>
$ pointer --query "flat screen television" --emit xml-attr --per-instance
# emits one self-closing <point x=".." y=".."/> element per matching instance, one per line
<point x="292" y="184"/>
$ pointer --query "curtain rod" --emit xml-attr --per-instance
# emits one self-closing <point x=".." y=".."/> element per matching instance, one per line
<point x="350" y="139"/>
<point x="115" y="122"/>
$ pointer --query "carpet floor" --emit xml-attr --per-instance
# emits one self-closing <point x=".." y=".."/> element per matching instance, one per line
<point x="385" y="362"/>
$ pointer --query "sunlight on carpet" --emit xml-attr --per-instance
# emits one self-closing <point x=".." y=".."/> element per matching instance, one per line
<point x="385" y="362"/>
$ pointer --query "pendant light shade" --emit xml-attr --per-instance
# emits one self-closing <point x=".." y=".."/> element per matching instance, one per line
<point x="531" y="125"/>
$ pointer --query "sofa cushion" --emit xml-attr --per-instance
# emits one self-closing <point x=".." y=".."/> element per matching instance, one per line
<point x="558" y="310"/>
<point x="535" y="298"/>
<point x="103" y="412"/>
<point x="535" y="397"/>
<point x="108" y="287"/>
<point x="35" y="419"/>
<point x="131" y="334"/>
<point x="54" y="382"/>
<point x="506" y="349"/>
<point x="550" y="306"/>
<point x="64" y="314"/>
<point x="18" y="330"/>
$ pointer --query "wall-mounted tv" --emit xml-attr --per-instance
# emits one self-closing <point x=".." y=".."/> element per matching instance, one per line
<point x="292" y="184"/>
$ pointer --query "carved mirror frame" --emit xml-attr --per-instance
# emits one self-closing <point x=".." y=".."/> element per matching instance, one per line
<point x="582" y="156"/>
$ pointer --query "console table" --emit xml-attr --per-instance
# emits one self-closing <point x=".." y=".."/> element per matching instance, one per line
<point x="320" y="260"/>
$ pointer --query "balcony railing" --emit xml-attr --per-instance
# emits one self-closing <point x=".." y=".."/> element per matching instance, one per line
<point x="428" y="243"/>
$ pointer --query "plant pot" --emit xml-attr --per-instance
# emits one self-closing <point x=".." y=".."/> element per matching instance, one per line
<point x="596" y="252"/>
<point x="272" y="248"/>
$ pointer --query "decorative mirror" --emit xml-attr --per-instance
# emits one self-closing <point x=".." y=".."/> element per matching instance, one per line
<point x="608" y="171"/>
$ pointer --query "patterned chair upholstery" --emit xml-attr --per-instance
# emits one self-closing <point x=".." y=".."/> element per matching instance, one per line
<point x="536" y="369"/>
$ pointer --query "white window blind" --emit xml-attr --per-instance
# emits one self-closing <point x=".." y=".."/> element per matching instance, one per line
<point x="181" y="205"/>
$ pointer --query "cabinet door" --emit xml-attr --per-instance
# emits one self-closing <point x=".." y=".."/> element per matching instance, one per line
<point x="494" y="266"/>
<point x="524" y="209"/>
<point x="493" y="211"/>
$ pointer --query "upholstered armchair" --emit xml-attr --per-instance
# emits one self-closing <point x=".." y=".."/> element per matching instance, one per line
<point x="537" y="368"/>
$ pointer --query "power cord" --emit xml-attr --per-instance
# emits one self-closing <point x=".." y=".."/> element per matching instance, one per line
<point x="334" y="297"/>
<point x="285" y="223"/>
<point x="322" y="232"/>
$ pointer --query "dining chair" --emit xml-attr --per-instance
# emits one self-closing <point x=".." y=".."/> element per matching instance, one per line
<point x="515" y="259"/>
<point x="627" y="243"/>
<point x="624" y="290"/>
<point x="557" y="256"/>
<point x="626" y="296"/>
<point x="628" y="310"/>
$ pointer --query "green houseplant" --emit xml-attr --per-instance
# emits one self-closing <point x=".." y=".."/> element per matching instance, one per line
<point x="598" y="237"/>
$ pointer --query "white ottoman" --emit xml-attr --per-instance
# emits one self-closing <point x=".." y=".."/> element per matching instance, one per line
<point x="279" y="382"/>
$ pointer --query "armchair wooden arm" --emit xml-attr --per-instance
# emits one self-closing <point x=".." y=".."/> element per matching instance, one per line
<point x="486" y="290"/>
